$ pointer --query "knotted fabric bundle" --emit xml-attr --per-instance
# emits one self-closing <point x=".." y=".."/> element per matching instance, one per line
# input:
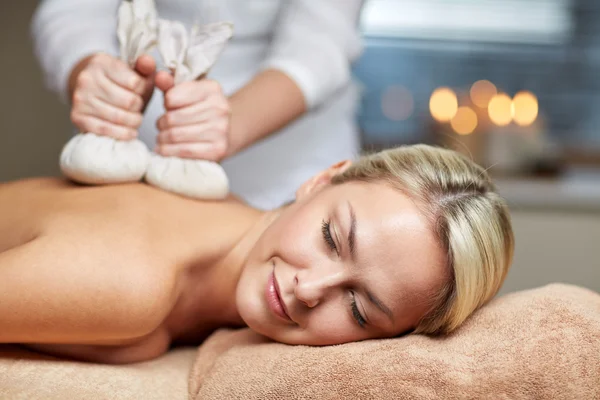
<point x="93" y="159"/>
<point x="190" y="56"/>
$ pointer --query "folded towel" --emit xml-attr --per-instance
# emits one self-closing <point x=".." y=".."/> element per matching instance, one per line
<point x="27" y="375"/>
<point x="537" y="344"/>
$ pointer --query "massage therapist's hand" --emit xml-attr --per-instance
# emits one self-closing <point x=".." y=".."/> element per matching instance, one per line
<point x="108" y="96"/>
<point x="197" y="120"/>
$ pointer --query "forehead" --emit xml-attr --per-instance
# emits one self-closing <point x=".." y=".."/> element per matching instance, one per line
<point x="395" y="244"/>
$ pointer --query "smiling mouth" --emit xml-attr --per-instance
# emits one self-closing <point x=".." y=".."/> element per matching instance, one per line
<point x="274" y="301"/>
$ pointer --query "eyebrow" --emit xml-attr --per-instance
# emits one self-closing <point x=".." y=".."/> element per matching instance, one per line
<point x="352" y="246"/>
<point x="352" y="232"/>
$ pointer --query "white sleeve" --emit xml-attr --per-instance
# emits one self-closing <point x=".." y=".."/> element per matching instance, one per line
<point x="65" y="31"/>
<point x="315" y="43"/>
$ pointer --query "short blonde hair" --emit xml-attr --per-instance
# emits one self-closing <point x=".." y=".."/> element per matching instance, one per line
<point x="470" y="220"/>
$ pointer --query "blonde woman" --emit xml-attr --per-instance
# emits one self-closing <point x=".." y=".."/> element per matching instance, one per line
<point x="412" y="239"/>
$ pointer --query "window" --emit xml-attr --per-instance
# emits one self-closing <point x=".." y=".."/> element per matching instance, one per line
<point x="548" y="50"/>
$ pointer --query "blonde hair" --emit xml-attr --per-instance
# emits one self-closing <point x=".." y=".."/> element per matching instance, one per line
<point x="470" y="220"/>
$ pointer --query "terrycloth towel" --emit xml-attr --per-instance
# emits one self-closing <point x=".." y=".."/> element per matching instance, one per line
<point x="537" y="344"/>
<point x="26" y="375"/>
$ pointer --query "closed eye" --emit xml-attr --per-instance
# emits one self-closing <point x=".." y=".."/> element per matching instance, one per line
<point x="356" y="313"/>
<point x="326" y="230"/>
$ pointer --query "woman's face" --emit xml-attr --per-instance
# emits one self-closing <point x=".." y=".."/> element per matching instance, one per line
<point x="343" y="263"/>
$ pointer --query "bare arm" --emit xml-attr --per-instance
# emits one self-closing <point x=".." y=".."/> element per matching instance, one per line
<point x="57" y="290"/>
<point x="313" y="47"/>
<point x="266" y="104"/>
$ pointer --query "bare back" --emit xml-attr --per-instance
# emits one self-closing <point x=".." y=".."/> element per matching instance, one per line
<point x="101" y="265"/>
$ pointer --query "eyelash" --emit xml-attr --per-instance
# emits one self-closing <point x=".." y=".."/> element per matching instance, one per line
<point x="357" y="316"/>
<point x="326" y="229"/>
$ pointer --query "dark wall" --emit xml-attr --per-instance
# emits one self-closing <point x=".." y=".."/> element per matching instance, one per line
<point x="34" y="125"/>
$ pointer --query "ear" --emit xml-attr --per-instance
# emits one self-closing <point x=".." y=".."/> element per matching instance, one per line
<point x="322" y="179"/>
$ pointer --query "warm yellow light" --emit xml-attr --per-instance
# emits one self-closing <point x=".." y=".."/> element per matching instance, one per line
<point x="482" y="92"/>
<point x="465" y="121"/>
<point x="525" y="108"/>
<point x="500" y="109"/>
<point x="443" y="104"/>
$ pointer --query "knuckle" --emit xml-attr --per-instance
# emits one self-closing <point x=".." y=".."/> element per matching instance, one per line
<point x="172" y="135"/>
<point x="97" y="58"/>
<point x="136" y="83"/>
<point x="168" y="119"/>
<point x="78" y="98"/>
<point x="214" y="86"/>
<point x="134" y="102"/>
<point x="226" y="108"/>
<point x="220" y="148"/>
<point x="137" y="120"/>
<point x="223" y="112"/>
<point x="170" y="100"/>
<point x="118" y="117"/>
<point x="84" y="79"/>
<point x="101" y="61"/>
<point x="101" y="129"/>
<point x="222" y="127"/>
<point x="160" y="124"/>
<point x="188" y="152"/>
<point x="76" y="119"/>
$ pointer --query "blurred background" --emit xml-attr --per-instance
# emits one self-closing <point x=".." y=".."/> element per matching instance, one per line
<point x="514" y="84"/>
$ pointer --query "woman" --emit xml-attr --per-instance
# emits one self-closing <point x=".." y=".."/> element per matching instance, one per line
<point x="409" y="239"/>
<point x="285" y="74"/>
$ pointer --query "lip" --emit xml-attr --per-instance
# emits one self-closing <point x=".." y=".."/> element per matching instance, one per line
<point x="274" y="301"/>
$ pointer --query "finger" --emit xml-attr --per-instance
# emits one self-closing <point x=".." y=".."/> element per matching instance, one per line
<point x="164" y="81"/>
<point x="199" y="151"/>
<point x="87" y="123"/>
<point x="193" y="114"/>
<point x="100" y="109"/>
<point x="188" y="134"/>
<point x="186" y="94"/>
<point x="122" y="75"/>
<point x="148" y="91"/>
<point x="118" y="96"/>
<point x="145" y="65"/>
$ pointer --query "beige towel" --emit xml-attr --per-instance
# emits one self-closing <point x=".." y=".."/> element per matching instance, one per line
<point x="26" y="375"/>
<point x="537" y="344"/>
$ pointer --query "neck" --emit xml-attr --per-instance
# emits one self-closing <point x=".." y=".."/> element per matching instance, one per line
<point x="208" y="299"/>
<point x="228" y="273"/>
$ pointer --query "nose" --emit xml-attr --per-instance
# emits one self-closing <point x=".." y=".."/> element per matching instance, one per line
<point x="312" y="286"/>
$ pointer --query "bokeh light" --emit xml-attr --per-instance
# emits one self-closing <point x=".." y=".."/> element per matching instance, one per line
<point x="525" y="108"/>
<point x="482" y="92"/>
<point x="397" y="103"/>
<point x="443" y="104"/>
<point x="465" y="121"/>
<point x="500" y="109"/>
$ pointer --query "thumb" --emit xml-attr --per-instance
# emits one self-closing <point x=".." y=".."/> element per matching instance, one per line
<point x="164" y="81"/>
<point x="145" y="65"/>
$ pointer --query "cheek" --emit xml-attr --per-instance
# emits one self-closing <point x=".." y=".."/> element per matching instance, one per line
<point x="331" y="325"/>
<point x="293" y="239"/>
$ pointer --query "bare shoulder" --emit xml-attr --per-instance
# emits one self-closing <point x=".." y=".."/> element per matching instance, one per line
<point x="79" y="264"/>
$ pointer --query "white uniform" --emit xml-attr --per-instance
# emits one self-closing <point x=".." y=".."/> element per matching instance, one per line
<point x="312" y="41"/>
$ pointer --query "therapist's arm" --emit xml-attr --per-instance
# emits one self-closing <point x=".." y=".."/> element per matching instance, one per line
<point x="65" y="32"/>
<point x="268" y="103"/>
<point x="309" y="60"/>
